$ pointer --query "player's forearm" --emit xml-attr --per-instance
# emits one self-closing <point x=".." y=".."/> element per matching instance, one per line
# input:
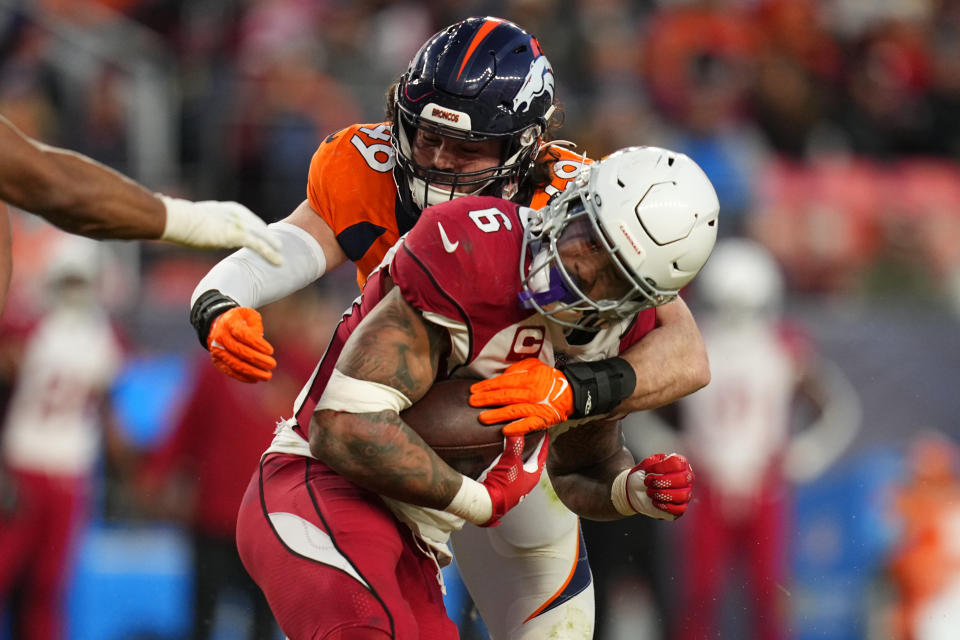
<point x="75" y="192"/>
<point x="250" y="280"/>
<point x="379" y="452"/>
<point x="670" y="362"/>
<point x="85" y="197"/>
<point x="586" y="491"/>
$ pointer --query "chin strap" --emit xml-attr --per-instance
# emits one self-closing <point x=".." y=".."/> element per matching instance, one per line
<point x="598" y="387"/>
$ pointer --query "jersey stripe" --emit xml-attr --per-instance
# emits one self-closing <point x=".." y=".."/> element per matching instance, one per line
<point x="578" y="580"/>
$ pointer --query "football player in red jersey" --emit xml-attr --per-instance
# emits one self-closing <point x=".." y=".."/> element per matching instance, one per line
<point x="346" y="519"/>
<point x="470" y="116"/>
<point x="84" y="197"/>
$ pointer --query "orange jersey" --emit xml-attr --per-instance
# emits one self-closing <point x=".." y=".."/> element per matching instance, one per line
<point x="351" y="187"/>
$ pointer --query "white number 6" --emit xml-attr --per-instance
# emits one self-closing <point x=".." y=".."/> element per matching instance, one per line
<point x="487" y="219"/>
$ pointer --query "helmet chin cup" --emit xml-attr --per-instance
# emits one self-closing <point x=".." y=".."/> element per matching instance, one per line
<point x="426" y="194"/>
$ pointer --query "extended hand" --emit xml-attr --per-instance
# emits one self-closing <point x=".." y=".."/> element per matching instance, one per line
<point x="212" y="224"/>
<point x="508" y="480"/>
<point x="659" y="486"/>
<point x="237" y="346"/>
<point x="534" y="396"/>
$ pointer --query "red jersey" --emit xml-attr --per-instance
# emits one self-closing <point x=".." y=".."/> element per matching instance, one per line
<point x="351" y="186"/>
<point x="460" y="265"/>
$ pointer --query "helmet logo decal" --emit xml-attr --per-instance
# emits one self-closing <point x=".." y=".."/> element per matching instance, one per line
<point x="539" y="81"/>
<point x="446" y="115"/>
<point x="633" y="243"/>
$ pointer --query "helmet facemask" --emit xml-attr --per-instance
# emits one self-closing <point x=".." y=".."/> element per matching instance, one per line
<point x="565" y="256"/>
<point x="650" y="214"/>
<point x="428" y="186"/>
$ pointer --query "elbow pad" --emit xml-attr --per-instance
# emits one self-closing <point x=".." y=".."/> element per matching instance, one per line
<point x="598" y="387"/>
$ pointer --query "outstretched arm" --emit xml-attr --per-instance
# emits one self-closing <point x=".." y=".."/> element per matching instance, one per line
<point x="84" y="197"/>
<point x="74" y="192"/>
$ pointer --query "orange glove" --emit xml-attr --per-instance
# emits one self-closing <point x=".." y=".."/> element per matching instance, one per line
<point x="237" y="346"/>
<point x="534" y="396"/>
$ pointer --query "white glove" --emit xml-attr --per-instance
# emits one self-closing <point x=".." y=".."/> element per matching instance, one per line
<point x="213" y="224"/>
<point x="660" y="486"/>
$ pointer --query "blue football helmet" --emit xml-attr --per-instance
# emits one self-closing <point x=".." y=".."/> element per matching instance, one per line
<point x="479" y="79"/>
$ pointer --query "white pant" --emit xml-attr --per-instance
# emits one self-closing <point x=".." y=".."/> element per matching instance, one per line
<point x="532" y="562"/>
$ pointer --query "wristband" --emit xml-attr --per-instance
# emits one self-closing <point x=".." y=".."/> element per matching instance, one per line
<point x="206" y="309"/>
<point x="598" y="387"/>
<point x="472" y="502"/>
<point x="618" y="494"/>
<point x="178" y="222"/>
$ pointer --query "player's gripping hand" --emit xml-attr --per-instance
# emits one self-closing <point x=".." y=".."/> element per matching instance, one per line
<point x="237" y="346"/>
<point x="502" y="486"/>
<point x="212" y="224"/>
<point x="660" y="486"/>
<point x="534" y="396"/>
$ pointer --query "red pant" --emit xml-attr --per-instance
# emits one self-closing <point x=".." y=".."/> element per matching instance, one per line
<point x="332" y="560"/>
<point x="37" y="545"/>
<point x="713" y="543"/>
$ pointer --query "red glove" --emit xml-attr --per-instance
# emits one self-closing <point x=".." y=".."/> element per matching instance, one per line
<point x="509" y="479"/>
<point x="502" y="486"/>
<point x="535" y="396"/>
<point x="237" y="346"/>
<point x="660" y="486"/>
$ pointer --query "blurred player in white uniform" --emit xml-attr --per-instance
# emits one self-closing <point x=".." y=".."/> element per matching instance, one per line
<point x="52" y="437"/>
<point x="737" y="431"/>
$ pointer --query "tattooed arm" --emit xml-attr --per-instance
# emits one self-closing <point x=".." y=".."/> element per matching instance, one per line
<point x="396" y="347"/>
<point x="583" y="463"/>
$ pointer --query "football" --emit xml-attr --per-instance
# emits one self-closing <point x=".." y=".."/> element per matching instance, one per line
<point x="447" y="422"/>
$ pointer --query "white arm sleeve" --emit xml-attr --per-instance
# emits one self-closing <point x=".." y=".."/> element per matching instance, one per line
<point x="249" y="279"/>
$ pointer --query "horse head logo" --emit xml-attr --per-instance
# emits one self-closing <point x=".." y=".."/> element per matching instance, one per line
<point x="539" y="80"/>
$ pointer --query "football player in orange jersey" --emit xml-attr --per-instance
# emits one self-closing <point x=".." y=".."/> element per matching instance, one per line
<point x="84" y="197"/>
<point x="470" y="116"/>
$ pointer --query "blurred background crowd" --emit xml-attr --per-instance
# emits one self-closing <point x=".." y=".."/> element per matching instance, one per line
<point x="831" y="130"/>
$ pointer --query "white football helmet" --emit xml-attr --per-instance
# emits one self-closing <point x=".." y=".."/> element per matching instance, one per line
<point x="742" y="278"/>
<point x="652" y="212"/>
<point x="73" y="271"/>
